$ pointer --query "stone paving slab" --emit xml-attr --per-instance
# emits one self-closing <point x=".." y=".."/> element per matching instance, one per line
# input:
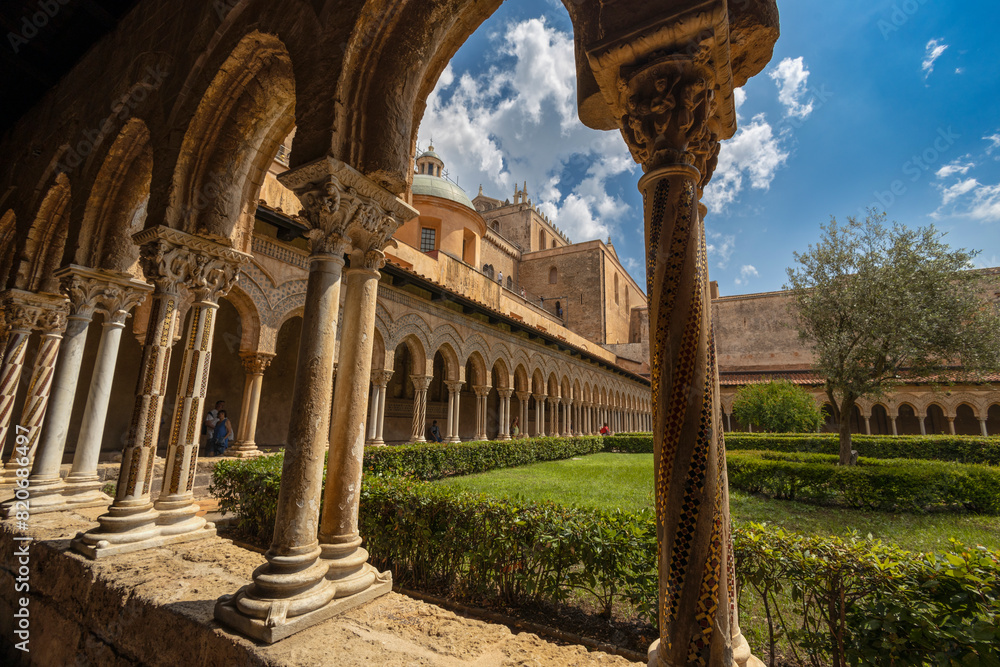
<point x="156" y="608"/>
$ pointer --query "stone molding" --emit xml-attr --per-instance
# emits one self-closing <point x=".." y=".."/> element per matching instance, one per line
<point x="98" y="290"/>
<point x="505" y="392"/>
<point x="27" y="311"/>
<point x="255" y="363"/>
<point x="421" y="382"/>
<point x="454" y="386"/>
<point x="173" y="259"/>
<point x="342" y="207"/>
<point x="381" y="377"/>
<point x="482" y="389"/>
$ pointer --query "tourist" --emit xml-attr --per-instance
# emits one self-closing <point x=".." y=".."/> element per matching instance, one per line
<point x="222" y="434"/>
<point x="208" y="426"/>
<point x="436" y="432"/>
<point x="523" y="295"/>
<point x="515" y="430"/>
<point x="605" y="430"/>
<point x="500" y="278"/>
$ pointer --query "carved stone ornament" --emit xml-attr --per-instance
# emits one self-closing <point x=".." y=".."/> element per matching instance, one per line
<point x="27" y="311"/>
<point x="343" y="208"/>
<point x="173" y="259"/>
<point x="668" y="104"/>
<point x="255" y="363"/>
<point x="381" y="377"/>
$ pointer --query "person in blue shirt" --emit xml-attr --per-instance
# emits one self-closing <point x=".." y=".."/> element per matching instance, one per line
<point x="222" y="434"/>
<point x="435" y="432"/>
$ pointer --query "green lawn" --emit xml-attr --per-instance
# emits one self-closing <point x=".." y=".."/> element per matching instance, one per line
<point x="626" y="481"/>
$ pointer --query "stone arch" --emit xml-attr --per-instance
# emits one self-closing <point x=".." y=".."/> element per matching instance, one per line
<point x="501" y="371"/>
<point x="477" y="362"/>
<point x="967" y="416"/>
<point x="538" y="382"/>
<point x="116" y="207"/>
<point x="378" y="350"/>
<point x="46" y="240"/>
<point x="500" y="350"/>
<point x="250" y="319"/>
<point x="452" y="368"/>
<point x="552" y="385"/>
<point x="245" y="112"/>
<point x="476" y="343"/>
<point x="411" y="325"/>
<point x="521" y="378"/>
<point x="418" y="353"/>
<point x="8" y="234"/>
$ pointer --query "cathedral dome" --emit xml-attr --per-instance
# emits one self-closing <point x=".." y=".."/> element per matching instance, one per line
<point x="430" y="182"/>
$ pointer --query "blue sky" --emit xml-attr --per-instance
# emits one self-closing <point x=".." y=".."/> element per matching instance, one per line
<point x="893" y="104"/>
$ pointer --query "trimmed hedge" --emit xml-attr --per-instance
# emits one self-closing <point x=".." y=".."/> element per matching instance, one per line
<point x="437" y="460"/>
<point x="852" y="601"/>
<point x="956" y="448"/>
<point x="894" y="484"/>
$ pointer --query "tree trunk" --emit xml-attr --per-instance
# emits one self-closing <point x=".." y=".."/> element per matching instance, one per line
<point x="846" y="412"/>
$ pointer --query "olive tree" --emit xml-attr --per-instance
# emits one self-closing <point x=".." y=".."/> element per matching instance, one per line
<point x="880" y="305"/>
<point x="777" y="407"/>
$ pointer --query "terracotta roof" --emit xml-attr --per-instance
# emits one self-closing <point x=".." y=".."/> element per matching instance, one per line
<point x="809" y="377"/>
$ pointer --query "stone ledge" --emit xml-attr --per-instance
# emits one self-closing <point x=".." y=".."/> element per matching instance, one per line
<point x="156" y="607"/>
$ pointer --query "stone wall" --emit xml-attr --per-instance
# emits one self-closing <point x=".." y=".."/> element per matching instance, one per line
<point x="758" y="331"/>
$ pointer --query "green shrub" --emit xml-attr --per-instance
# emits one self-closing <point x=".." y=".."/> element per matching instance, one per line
<point x="777" y="407"/>
<point x="957" y="448"/>
<point x="629" y="443"/>
<point x="429" y="461"/>
<point x="894" y="484"/>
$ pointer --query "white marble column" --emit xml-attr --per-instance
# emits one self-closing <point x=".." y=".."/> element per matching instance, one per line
<point x="380" y="380"/>
<point x="951" y="425"/>
<point x="539" y="414"/>
<point x="254" y="366"/>
<point x="923" y="425"/>
<point x="505" y="419"/>
<point x="522" y="399"/>
<point x="454" y="405"/>
<point x="419" y="428"/>
<point x="44" y="481"/>
<point x="83" y="486"/>
<point x="481" y="392"/>
<point x="894" y="427"/>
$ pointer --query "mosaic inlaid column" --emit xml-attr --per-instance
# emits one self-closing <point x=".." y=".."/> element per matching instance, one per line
<point x="254" y="365"/>
<point x="213" y="272"/>
<point x="51" y="325"/>
<point x="380" y="380"/>
<point x="419" y="428"/>
<point x="23" y="312"/>
<point x="44" y="480"/>
<point x="454" y="405"/>
<point x="82" y="487"/>
<point x="131" y="519"/>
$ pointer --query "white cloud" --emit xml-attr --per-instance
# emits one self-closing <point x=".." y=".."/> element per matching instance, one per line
<point x="755" y="154"/>
<point x="985" y="205"/>
<point x="720" y="247"/>
<point x="747" y="271"/>
<point x="955" y="167"/>
<point x="932" y="52"/>
<point x="790" y="76"/>
<point x="739" y="97"/>
<point x="955" y="191"/>
<point x="994" y="140"/>
<point x="517" y="121"/>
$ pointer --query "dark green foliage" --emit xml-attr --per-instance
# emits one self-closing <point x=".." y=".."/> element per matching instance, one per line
<point x="436" y="460"/>
<point x="777" y="407"/>
<point x="956" y="448"/>
<point x="852" y="601"/>
<point x="879" y="484"/>
<point x="629" y="443"/>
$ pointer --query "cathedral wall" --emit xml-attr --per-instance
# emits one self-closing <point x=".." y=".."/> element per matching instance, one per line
<point x="500" y="261"/>
<point x="756" y="331"/>
<point x="577" y="273"/>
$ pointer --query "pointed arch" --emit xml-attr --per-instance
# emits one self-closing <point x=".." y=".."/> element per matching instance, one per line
<point x="245" y="113"/>
<point x="43" y="248"/>
<point x="8" y="234"/>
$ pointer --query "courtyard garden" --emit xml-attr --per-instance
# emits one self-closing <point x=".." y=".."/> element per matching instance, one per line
<point x="836" y="567"/>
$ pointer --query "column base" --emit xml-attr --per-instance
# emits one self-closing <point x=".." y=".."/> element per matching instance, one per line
<point x="103" y="548"/>
<point x="273" y="630"/>
<point x="375" y="443"/>
<point x="57" y="498"/>
<point x="742" y="657"/>
<point x="244" y="450"/>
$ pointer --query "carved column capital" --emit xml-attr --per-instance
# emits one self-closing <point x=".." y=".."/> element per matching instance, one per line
<point x="539" y="397"/>
<point x="255" y="363"/>
<point x="172" y="259"/>
<point x="381" y="377"/>
<point x="505" y="392"/>
<point x="454" y="386"/>
<point x="421" y="382"/>
<point x="27" y="311"/>
<point x="522" y="395"/>
<point x="482" y="389"/>
<point x="344" y="208"/>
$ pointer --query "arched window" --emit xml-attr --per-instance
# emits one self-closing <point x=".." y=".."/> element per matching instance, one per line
<point x="541" y="239"/>
<point x="626" y="300"/>
<point x="616" y="289"/>
<point x="553" y="243"/>
<point x="553" y="276"/>
<point x="510" y="283"/>
<point x="496" y="226"/>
